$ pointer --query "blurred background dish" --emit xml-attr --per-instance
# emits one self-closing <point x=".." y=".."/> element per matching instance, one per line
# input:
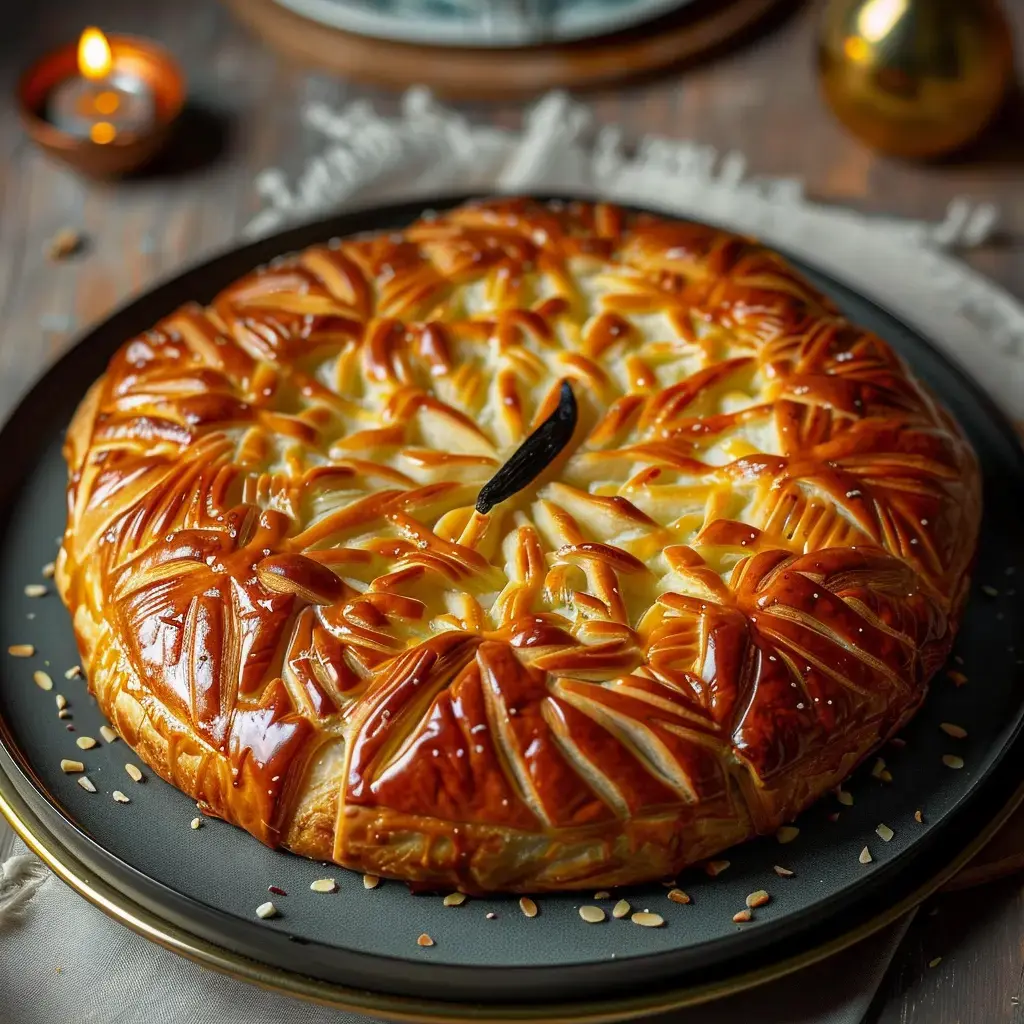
<point x="684" y="33"/>
<point x="497" y="23"/>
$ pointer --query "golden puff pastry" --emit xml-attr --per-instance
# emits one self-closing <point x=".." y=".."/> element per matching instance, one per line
<point x="731" y="584"/>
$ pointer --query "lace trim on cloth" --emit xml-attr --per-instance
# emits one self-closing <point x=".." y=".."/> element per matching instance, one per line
<point x="20" y="877"/>
<point x="904" y="265"/>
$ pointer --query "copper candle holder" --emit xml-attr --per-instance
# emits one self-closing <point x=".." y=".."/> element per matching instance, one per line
<point x="112" y="153"/>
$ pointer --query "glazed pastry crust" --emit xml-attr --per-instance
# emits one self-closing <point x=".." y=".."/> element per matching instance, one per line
<point x="731" y="586"/>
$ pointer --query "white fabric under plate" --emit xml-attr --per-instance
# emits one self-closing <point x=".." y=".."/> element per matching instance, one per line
<point x="61" y="960"/>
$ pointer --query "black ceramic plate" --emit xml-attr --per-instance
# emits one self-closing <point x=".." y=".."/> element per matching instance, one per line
<point x="207" y="883"/>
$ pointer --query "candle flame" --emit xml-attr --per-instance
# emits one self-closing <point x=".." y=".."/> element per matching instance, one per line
<point x="94" y="57"/>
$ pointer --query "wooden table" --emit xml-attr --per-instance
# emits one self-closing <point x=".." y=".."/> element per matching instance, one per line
<point x="760" y="100"/>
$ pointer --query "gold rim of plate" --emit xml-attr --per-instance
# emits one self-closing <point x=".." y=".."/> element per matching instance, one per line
<point x="66" y="866"/>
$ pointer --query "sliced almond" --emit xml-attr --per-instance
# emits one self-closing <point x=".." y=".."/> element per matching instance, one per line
<point x="21" y="650"/>
<point x="424" y="940"/>
<point x="120" y="797"/>
<point x="646" y="919"/>
<point x="757" y="899"/>
<point x="64" y="243"/>
<point x="324" y="885"/>
<point x="370" y="881"/>
<point x="678" y="896"/>
<point x="86" y="783"/>
<point x="265" y="910"/>
<point x="782" y="872"/>
<point x="845" y="798"/>
<point x="85" y="743"/>
<point x="713" y="868"/>
<point x="48" y="570"/>
<point x="107" y="733"/>
<point x="884" y="833"/>
<point x="592" y="915"/>
<point x="787" y="834"/>
<point x="42" y="679"/>
<point x="35" y="590"/>
<point x="67" y="765"/>
<point x="742" y="916"/>
<point x="621" y="909"/>
<point x="865" y="856"/>
<point x="455" y="899"/>
<point x="133" y="772"/>
<point x="527" y="906"/>
<point x="952" y="761"/>
<point x="958" y="732"/>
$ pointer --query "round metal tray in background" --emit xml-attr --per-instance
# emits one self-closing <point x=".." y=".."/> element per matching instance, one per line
<point x="196" y="891"/>
<point x="696" y="30"/>
<point x="481" y="23"/>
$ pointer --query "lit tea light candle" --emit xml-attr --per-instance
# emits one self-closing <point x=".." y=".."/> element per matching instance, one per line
<point x="104" y="106"/>
<point x="103" y="101"/>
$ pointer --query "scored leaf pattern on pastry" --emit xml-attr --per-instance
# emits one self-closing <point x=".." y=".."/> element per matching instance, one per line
<point x="729" y="587"/>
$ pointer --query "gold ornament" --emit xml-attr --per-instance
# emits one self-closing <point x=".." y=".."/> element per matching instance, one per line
<point x="915" y="78"/>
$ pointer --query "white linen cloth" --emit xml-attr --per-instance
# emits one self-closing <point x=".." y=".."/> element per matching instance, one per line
<point x="61" y="960"/>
